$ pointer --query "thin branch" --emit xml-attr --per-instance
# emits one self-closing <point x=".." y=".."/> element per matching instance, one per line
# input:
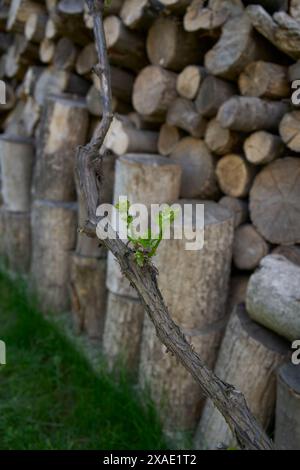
<point x="229" y="401"/>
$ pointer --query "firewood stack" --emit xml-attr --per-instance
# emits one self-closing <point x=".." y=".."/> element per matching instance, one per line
<point x="201" y="93"/>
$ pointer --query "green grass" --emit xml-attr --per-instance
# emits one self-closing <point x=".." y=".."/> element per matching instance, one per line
<point x="51" y="399"/>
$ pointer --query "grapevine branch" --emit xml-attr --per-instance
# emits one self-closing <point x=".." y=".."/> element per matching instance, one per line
<point x="229" y="401"/>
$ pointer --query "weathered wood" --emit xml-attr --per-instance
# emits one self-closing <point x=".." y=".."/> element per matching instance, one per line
<point x="292" y="253"/>
<point x="287" y="428"/>
<point x="122" y="332"/>
<point x="17" y="241"/>
<point x="16" y="157"/>
<point x="87" y="59"/>
<point x="65" y="54"/>
<point x="138" y="14"/>
<point x="23" y="120"/>
<point x="169" y="136"/>
<point x="221" y="141"/>
<point x="169" y="46"/>
<point x="249" y="114"/>
<point x="46" y="51"/>
<point x="53" y="239"/>
<point x="153" y="92"/>
<point x="212" y="94"/>
<point x="235" y="175"/>
<point x="35" y="27"/>
<point x="63" y="127"/>
<point x="210" y="17"/>
<point x="248" y="359"/>
<point x="249" y="248"/>
<point x="88" y="294"/>
<point x="144" y="179"/>
<point x="274" y="201"/>
<point x="198" y="169"/>
<point x="189" y="81"/>
<point x="237" y="47"/>
<point x="284" y="35"/>
<point x="53" y="82"/>
<point x="122" y="139"/>
<point x="183" y="114"/>
<point x="19" y="12"/>
<point x="272" y="297"/>
<point x="175" y="394"/>
<point x="289" y="130"/>
<point x="265" y="80"/>
<point x="125" y="48"/>
<point x="262" y="147"/>
<point x="238" y="207"/>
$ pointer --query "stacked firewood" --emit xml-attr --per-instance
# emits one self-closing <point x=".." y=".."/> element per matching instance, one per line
<point x="201" y="95"/>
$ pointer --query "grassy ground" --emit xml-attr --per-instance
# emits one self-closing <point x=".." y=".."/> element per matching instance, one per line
<point x="50" y="398"/>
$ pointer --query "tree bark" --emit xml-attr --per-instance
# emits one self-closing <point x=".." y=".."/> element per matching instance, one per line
<point x="183" y="114"/>
<point x="212" y="94"/>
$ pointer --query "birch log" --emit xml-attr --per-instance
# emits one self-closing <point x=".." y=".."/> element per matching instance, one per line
<point x="248" y="359"/>
<point x="122" y="332"/>
<point x="16" y="158"/>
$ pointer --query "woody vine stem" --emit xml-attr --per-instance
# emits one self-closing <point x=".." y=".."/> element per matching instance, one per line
<point x="229" y="401"/>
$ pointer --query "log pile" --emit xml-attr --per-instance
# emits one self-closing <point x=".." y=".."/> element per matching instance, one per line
<point x="201" y="93"/>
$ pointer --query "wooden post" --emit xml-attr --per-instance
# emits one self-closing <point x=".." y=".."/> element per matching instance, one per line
<point x="274" y="198"/>
<point x="16" y="156"/>
<point x="122" y="332"/>
<point x="63" y="127"/>
<point x="17" y="241"/>
<point x="273" y="290"/>
<point x="88" y="294"/>
<point x="248" y="359"/>
<point x="287" y="428"/>
<point x="198" y="169"/>
<point x="53" y="239"/>
<point x="199" y="312"/>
